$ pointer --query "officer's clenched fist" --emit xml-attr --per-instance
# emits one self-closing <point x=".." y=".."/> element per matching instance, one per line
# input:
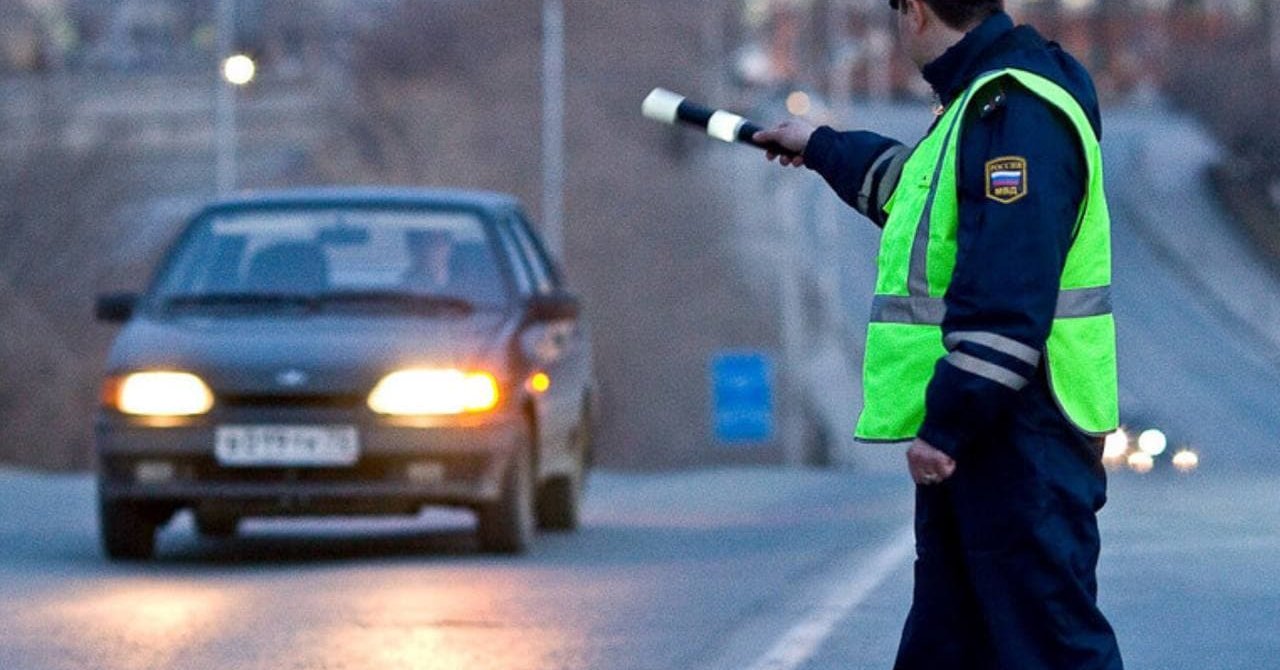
<point x="929" y="466"/>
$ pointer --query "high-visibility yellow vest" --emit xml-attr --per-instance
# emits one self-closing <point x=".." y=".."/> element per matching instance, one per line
<point x="916" y="262"/>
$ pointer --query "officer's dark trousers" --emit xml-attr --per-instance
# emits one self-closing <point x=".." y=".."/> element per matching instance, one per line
<point x="1006" y="556"/>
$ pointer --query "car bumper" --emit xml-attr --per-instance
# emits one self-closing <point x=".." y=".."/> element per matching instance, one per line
<point x="402" y="464"/>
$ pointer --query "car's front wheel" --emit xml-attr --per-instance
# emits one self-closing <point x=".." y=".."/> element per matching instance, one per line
<point x="128" y="530"/>
<point x="506" y="526"/>
<point x="560" y="498"/>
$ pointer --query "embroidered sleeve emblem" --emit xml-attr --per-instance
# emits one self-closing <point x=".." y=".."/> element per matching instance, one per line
<point x="1007" y="179"/>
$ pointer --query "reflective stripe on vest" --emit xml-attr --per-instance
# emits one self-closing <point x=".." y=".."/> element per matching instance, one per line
<point x="916" y="263"/>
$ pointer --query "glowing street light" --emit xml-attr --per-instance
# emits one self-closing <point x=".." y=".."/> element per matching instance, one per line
<point x="239" y="69"/>
<point x="799" y="103"/>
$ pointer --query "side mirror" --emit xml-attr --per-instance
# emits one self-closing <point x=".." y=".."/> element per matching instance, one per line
<point x="115" y="307"/>
<point x="554" y="307"/>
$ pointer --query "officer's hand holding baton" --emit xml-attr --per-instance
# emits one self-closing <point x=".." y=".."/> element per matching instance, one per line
<point x="792" y="134"/>
<point x="664" y="106"/>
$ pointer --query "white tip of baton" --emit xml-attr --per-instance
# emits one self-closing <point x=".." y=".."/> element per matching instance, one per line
<point x="661" y="105"/>
<point x="724" y="126"/>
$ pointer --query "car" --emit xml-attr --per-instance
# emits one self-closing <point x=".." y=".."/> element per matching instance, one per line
<point x="342" y="352"/>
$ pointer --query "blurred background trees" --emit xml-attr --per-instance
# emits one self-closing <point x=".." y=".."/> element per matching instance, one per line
<point x="107" y="133"/>
<point x="1233" y="85"/>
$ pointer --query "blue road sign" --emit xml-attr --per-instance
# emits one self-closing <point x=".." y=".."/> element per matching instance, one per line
<point x="742" y="397"/>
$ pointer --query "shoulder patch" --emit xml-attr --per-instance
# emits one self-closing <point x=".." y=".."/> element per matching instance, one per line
<point x="1007" y="179"/>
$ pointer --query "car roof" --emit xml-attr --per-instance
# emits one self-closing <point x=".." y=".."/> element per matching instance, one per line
<point x="365" y="196"/>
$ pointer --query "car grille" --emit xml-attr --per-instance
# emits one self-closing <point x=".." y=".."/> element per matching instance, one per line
<point x="285" y="401"/>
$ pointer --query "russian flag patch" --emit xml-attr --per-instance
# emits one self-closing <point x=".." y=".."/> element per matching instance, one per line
<point x="1007" y="179"/>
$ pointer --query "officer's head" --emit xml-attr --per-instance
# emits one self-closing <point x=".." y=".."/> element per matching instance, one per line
<point x="958" y="14"/>
<point x="928" y="27"/>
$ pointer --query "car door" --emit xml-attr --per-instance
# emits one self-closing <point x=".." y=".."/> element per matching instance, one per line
<point x="559" y="350"/>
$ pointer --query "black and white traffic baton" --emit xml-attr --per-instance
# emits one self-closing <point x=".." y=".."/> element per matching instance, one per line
<point x="664" y="106"/>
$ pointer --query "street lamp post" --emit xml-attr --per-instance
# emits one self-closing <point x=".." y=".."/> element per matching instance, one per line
<point x="234" y="70"/>
<point x="226" y="106"/>
<point x="553" y="125"/>
<point x="1273" y="13"/>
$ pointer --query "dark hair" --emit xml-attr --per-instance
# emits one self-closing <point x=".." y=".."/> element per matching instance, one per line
<point x="959" y="13"/>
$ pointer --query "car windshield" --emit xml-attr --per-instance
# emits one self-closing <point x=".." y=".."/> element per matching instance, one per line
<point x="336" y="259"/>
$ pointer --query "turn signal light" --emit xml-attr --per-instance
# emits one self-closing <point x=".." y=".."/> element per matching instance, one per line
<point x="540" y="382"/>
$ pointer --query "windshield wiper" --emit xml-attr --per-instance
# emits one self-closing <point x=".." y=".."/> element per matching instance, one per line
<point x="428" y="301"/>
<point x="240" y="298"/>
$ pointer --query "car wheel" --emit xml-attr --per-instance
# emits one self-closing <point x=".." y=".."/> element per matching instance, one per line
<point x="506" y="526"/>
<point x="558" y="504"/>
<point x="128" y="530"/>
<point x="560" y="499"/>
<point x="217" y="525"/>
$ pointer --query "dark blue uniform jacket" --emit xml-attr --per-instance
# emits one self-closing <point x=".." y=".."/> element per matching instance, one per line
<point x="1010" y="256"/>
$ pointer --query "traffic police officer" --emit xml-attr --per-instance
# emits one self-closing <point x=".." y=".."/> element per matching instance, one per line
<point x="991" y="346"/>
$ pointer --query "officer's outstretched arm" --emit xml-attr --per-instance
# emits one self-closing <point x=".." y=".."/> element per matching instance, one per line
<point x="862" y="167"/>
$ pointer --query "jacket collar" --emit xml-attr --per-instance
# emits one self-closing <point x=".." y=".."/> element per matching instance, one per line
<point x="950" y="73"/>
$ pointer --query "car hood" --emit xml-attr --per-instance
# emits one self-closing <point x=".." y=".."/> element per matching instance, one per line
<point x="267" y="354"/>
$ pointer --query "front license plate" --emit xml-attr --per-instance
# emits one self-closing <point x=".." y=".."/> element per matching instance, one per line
<point x="286" y="446"/>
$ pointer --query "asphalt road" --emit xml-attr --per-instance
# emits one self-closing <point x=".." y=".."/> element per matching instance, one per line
<point x="666" y="568"/>
<point x="712" y="570"/>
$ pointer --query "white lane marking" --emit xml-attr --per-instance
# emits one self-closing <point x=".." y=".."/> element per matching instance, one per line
<point x="800" y="643"/>
<point x="724" y="126"/>
<point x="661" y="105"/>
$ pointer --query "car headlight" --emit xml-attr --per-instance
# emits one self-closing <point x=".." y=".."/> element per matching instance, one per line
<point x="422" y="392"/>
<point x="158" y="394"/>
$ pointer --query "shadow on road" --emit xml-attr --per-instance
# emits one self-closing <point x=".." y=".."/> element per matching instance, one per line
<point x="300" y="542"/>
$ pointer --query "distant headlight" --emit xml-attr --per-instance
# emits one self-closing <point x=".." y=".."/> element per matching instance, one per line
<point x="158" y="394"/>
<point x="422" y="392"/>
<point x="1141" y="462"/>
<point x="1115" y="448"/>
<point x="1153" y="442"/>
<point x="1186" y="460"/>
